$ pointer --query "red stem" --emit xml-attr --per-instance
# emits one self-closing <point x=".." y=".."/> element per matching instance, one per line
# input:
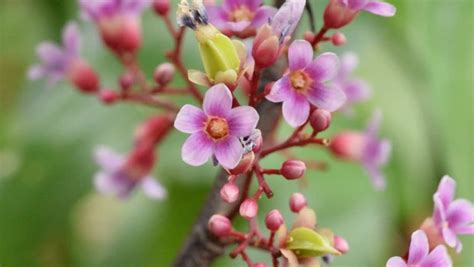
<point x="319" y="36"/>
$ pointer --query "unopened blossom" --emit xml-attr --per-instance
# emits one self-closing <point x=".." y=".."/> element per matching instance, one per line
<point x="339" y="13"/>
<point x="366" y="148"/>
<point x="120" y="175"/>
<point x="452" y="217"/>
<point x="58" y="63"/>
<point x="356" y="90"/>
<point x="216" y="129"/>
<point x="239" y="17"/>
<point x="118" y="22"/>
<point x="306" y="83"/>
<point x="420" y="256"/>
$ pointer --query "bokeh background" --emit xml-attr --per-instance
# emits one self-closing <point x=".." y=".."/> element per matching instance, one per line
<point x="419" y="63"/>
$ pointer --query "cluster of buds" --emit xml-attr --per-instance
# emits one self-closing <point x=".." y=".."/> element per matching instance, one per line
<point x="305" y="242"/>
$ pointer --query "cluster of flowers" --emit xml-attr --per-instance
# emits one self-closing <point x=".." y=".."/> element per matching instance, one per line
<point x="226" y="131"/>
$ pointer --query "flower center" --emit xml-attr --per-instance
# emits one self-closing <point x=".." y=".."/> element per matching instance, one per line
<point x="217" y="128"/>
<point x="300" y="81"/>
<point x="241" y="13"/>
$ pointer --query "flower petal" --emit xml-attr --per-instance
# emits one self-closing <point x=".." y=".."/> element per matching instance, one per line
<point x="190" y="119"/>
<point x="300" y="54"/>
<point x="380" y="8"/>
<point x="446" y="190"/>
<point x="197" y="149"/>
<point x="449" y="237"/>
<point x="262" y="16"/>
<point x="280" y="90"/>
<point x="296" y="110"/>
<point x="438" y="257"/>
<point x="287" y="17"/>
<point x="108" y="159"/>
<point x="71" y="39"/>
<point x="396" y="262"/>
<point x="465" y="230"/>
<point x="153" y="189"/>
<point x="439" y="211"/>
<point x="217" y="17"/>
<point x="36" y="72"/>
<point x="357" y="90"/>
<point x="376" y="176"/>
<point x="242" y="121"/>
<point x="103" y="183"/>
<point x="326" y="98"/>
<point x="218" y="101"/>
<point x="324" y="68"/>
<point x="50" y="53"/>
<point x="419" y="247"/>
<point x="460" y="212"/>
<point x="229" y="152"/>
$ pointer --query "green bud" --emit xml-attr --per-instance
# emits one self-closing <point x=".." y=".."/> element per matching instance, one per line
<point x="305" y="242"/>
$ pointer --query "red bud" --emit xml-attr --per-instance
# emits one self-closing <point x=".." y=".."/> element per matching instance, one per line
<point x="248" y="208"/>
<point x="229" y="192"/>
<point x="297" y="202"/>
<point x="219" y="225"/>
<point x="320" y="120"/>
<point x="273" y="220"/>
<point x="293" y="169"/>
<point x="161" y="7"/>
<point x="84" y="77"/>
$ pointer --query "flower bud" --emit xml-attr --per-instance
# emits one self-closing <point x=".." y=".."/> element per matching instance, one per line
<point x="126" y="81"/>
<point x="309" y="36"/>
<point x="338" y="39"/>
<point x="121" y="33"/>
<point x="108" y="96"/>
<point x="83" y="77"/>
<point x="341" y="244"/>
<point x="161" y="7"/>
<point x="219" y="225"/>
<point x="229" y="192"/>
<point x="297" y="202"/>
<point x="348" y="146"/>
<point x="152" y="130"/>
<point x="164" y="73"/>
<point x="140" y="162"/>
<point x="273" y="220"/>
<point x="293" y="169"/>
<point x="337" y="14"/>
<point x="244" y="165"/>
<point x="266" y="47"/>
<point x="320" y="120"/>
<point x="260" y="264"/>
<point x="248" y="208"/>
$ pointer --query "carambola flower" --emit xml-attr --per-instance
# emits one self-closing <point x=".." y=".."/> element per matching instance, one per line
<point x="58" y="63"/>
<point x="305" y="84"/>
<point x="420" y="256"/>
<point x="120" y="175"/>
<point x="356" y="90"/>
<point x="216" y="129"/>
<point x="239" y="17"/>
<point x="452" y="217"/>
<point x="366" y="148"/>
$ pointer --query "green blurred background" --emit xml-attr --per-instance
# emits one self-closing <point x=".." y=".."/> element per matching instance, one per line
<point x="420" y="64"/>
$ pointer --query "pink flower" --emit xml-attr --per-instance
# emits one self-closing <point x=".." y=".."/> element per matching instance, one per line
<point x="372" y="6"/>
<point x="452" y="217"/>
<point x="240" y="17"/>
<point x="305" y="84"/>
<point x="216" y="129"/>
<point x="366" y="148"/>
<point x="119" y="177"/>
<point x="420" y="256"/>
<point x="56" y="61"/>
<point x="98" y="9"/>
<point x="287" y="18"/>
<point x="356" y="90"/>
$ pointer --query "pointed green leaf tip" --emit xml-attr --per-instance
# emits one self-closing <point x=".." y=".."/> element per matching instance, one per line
<point x="305" y="242"/>
<point x="218" y="52"/>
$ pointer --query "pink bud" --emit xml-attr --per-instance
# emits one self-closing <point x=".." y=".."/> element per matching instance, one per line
<point x="121" y="33"/>
<point x="108" y="96"/>
<point x="266" y="47"/>
<point x="337" y="14"/>
<point x="126" y="81"/>
<point x="320" y="120"/>
<point x="293" y="169"/>
<point x="140" y="161"/>
<point x="338" y="39"/>
<point x="258" y="144"/>
<point x="164" y="73"/>
<point x="219" y="225"/>
<point x="297" y="202"/>
<point x="229" y="192"/>
<point x="309" y="36"/>
<point x="248" y="208"/>
<point x="244" y="165"/>
<point x="273" y="220"/>
<point x="162" y="7"/>
<point x="259" y="264"/>
<point x="341" y="244"/>
<point x="83" y="77"/>
<point x="348" y="145"/>
<point x="152" y="130"/>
